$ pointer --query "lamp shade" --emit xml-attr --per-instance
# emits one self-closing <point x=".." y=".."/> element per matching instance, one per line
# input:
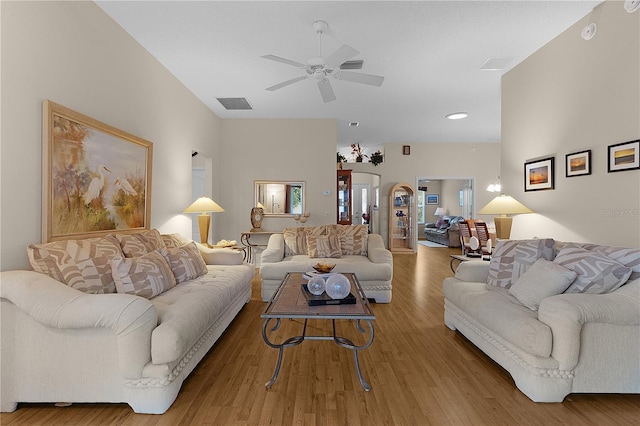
<point x="203" y="204"/>
<point x="504" y="205"/>
<point x="440" y="211"/>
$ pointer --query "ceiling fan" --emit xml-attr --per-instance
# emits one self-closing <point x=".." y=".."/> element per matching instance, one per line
<point x="320" y="68"/>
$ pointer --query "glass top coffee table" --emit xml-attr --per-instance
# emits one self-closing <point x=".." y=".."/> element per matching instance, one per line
<point x="289" y="301"/>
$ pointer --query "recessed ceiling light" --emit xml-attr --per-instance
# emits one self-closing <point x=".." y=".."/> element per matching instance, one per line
<point x="631" y="5"/>
<point x="457" y="115"/>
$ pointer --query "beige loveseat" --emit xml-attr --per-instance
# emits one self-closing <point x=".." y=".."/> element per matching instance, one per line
<point x="68" y="337"/>
<point x="560" y="318"/>
<point x="351" y="248"/>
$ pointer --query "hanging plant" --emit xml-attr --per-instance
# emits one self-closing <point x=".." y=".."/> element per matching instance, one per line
<point x="376" y="158"/>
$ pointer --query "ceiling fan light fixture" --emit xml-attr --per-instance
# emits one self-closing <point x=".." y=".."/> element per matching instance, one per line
<point x="457" y="115"/>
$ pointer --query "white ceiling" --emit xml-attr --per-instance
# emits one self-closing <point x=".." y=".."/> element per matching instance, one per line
<point x="428" y="51"/>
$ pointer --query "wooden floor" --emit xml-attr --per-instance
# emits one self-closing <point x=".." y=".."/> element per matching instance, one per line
<point x="421" y="372"/>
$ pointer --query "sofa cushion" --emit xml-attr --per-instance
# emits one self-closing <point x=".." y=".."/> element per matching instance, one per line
<point x="295" y="239"/>
<point x="174" y="240"/>
<point x="627" y="256"/>
<point x="188" y="310"/>
<point x="353" y="238"/>
<point x="145" y="276"/>
<point x="511" y="258"/>
<point x="493" y="308"/>
<point x="543" y="279"/>
<point x="82" y="264"/>
<point x="323" y="246"/>
<point x="185" y="262"/>
<point x="134" y="245"/>
<point x="596" y="272"/>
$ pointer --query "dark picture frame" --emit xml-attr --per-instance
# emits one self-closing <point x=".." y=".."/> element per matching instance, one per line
<point x="96" y="179"/>
<point x="406" y="149"/>
<point x="623" y="156"/>
<point x="539" y="174"/>
<point x="578" y="163"/>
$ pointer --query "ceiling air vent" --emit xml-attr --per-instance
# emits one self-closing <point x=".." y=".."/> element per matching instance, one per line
<point x="352" y="65"/>
<point x="235" y="103"/>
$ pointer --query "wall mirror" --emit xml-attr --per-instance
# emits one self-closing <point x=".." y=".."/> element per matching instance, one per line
<point x="280" y="198"/>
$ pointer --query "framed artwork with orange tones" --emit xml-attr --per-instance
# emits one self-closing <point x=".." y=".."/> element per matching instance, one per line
<point x="578" y="163"/>
<point x="96" y="179"/>
<point x="624" y="156"/>
<point x="539" y="174"/>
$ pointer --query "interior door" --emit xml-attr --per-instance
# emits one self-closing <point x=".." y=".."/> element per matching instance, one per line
<point x="361" y="203"/>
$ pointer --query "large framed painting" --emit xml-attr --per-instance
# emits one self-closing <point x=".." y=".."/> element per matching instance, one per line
<point x="96" y="179"/>
<point x="624" y="156"/>
<point x="539" y="174"/>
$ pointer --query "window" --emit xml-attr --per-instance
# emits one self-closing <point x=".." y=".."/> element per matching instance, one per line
<point x="420" y="206"/>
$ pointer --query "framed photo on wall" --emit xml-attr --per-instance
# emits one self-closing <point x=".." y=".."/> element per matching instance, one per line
<point x="539" y="174"/>
<point x="406" y="149"/>
<point x="624" y="156"/>
<point x="578" y="163"/>
<point x="433" y="199"/>
<point x="96" y="179"/>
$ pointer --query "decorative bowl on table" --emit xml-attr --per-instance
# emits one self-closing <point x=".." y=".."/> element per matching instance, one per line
<point x="324" y="268"/>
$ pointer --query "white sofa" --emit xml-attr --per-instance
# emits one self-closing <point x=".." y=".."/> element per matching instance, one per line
<point x="576" y="342"/>
<point x="60" y="344"/>
<point x="374" y="269"/>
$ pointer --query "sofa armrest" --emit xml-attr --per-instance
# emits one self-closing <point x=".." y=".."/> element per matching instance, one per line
<point x="430" y="225"/>
<point x="56" y="305"/>
<point x="275" y="249"/>
<point x="220" y="256"/>
<point x="473" y="271"/>
<point x="376" y="250"/>
<point x="566" y="314"/>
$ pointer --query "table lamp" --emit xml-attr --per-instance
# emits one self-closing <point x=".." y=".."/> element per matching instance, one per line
<point x="203" y="205"/>
<point x="504" y="205"/>
<point x="440" y="211"/>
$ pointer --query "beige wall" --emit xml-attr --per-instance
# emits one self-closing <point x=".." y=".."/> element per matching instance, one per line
<point x="570" y="96"/>
<point x="74" y="54"/>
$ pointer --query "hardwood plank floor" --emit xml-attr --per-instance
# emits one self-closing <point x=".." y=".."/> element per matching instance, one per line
<point x="421" y="372"/>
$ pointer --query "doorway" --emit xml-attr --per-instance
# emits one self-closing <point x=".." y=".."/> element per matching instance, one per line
<point x="365" y="188"/>
<point x="454" y="195"/>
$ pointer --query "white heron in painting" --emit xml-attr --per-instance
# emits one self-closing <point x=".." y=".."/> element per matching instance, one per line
<point x="96" y="185"/>
<point x="125" y="186"/>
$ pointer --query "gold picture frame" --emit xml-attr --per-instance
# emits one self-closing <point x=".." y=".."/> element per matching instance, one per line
<point x="96" y="179"/>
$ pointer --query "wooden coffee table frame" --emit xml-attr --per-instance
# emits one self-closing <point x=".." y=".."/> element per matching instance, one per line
<point x="289" y="302"/>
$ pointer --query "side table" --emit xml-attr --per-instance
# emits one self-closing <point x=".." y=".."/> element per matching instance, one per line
<point x="245" y="239"/>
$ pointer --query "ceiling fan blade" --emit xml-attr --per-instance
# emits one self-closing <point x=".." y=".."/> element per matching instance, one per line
<point x="343" y="54"/>
<point x="326" y="90"/>
<point x="358" y="77"/>
<point x="286" y="83"/>
<point x="284" y="61"/>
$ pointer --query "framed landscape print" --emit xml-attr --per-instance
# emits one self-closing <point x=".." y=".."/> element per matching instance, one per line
<point x="539" y="174"/>
<point x="433" y="199"/>
<point x="578" y="163"/>
<point x="624" y="156"/>
<point x="96" y="179"/>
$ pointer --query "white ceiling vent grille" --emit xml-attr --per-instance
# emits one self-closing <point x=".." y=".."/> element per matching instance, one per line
<point x="233" y="104"/>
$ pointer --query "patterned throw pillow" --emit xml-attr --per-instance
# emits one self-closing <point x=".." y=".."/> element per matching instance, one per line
<point x="174" y="240"/>
<point x="597" y="273"/>
<point x="629" y="257"/>
<point x="81" y="264"/>
<point x="145" y="276"/>
<point x="512" y="258"/>
<point x="353" y="239"/>
<point x="324" y="245"/>
<point x="295" y="239"/>
<point x="186" y="262"/>
<point x="135" y="245"/>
